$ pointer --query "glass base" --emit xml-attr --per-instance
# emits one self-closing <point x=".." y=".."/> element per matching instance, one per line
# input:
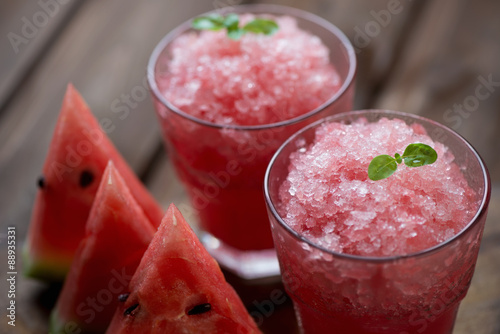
<point x="258" y="265"/>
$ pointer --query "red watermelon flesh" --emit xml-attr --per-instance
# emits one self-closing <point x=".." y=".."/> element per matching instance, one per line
<point x="179" y="288"/>
<point x="117" y="235"/>
<point x="77" y="157"/>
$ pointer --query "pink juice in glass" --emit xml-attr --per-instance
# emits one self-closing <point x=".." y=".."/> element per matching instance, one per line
<point x="389" y="256"/>
<point x="226" y="105"/>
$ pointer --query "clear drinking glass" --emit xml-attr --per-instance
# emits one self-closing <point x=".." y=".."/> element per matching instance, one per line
<point x="222" y="166"/>
<point x="345" y="294"/>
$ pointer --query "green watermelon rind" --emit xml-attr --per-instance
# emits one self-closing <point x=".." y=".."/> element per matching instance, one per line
<point x="57" y="326"/>
<point x="50" y="261"/>
<point x="47" y="270"/>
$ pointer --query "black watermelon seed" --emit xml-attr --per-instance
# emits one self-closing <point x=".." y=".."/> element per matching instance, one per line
<point x="131" y="309"/>
<point x="123" y="297"/>
<point x="41" y="182"/>
<point x="200" y="309"/>
<point x="86" y="178"/>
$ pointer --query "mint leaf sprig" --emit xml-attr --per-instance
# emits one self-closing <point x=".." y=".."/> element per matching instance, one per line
<point x="231" y="22"/>
<point x="415" y="155"/>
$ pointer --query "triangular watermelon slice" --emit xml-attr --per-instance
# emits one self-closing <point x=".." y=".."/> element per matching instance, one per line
<point x="78" y="155"/>
<point x="179" y="288"/>
<point x="117" y="235"/>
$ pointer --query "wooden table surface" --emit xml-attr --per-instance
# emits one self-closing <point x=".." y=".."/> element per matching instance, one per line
<point x="439" y="59"/>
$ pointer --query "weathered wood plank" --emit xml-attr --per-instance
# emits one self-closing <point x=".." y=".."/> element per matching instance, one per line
<point x="452" y="44"/>
<point x="167" y="188"/>
<point x="480" y="310"/>
<point x="376" y="30"/>
<point x="451" y="52"/>
<point x="449" y="72"/>
<point x="103" y="51"/>
<point x="27" y="29"/>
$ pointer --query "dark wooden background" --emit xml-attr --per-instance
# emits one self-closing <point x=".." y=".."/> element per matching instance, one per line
<point x="426" y="57"/>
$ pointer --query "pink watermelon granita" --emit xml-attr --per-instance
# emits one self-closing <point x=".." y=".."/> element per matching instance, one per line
<point x="254" y="80"/>
<point x="247" y="90"/>
<point x="329" y="199"/>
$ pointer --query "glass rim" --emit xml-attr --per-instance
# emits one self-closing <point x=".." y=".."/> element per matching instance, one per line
<point x="481" y="211"/>
<point x="275" y="10"/>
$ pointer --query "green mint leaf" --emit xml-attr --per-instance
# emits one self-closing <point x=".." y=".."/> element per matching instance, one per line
<point x="261" y="26"/>
<point x="382" y="167"/>
<point x="235" y="33"/>
<point x="398" y="158"/>
<point x="211" y="22"/>
<point x="231" y="21"/>
<point x="416" y="155"/>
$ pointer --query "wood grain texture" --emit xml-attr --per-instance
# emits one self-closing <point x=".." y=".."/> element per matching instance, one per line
<point x="480" y="310"/>
<point x="375" y="28"/>
<point x="449" y="56"/>
<point x="28" y="29"/>
<point x="104" y="51"/>
<point x="424" y="58"/>
<point x="98" y="51"/>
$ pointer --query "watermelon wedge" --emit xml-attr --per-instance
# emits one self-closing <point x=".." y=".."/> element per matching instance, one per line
<point x="179" y="288"/>
<point x="117" y="235"/>
<point x="77" y="157"/>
